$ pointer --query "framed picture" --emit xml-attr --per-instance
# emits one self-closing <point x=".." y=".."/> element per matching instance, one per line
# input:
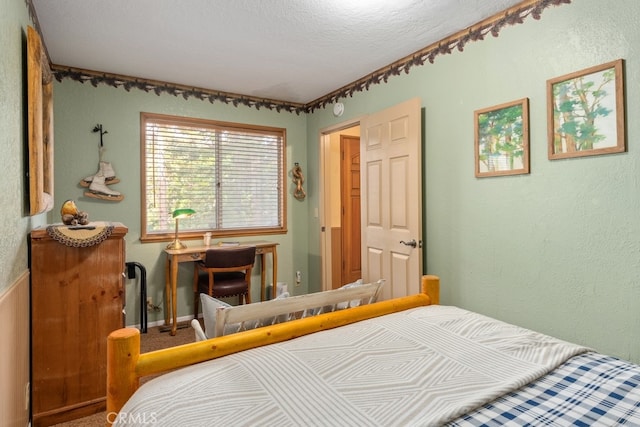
<point x="502" y="139"/>
<point x="40" y="125"/>
<point x="585" y="112"/>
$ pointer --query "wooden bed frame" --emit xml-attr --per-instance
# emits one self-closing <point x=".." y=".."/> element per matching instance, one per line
<point x="126" y="365"/>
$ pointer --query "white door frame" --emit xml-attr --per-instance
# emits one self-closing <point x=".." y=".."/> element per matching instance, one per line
<point x="325" y="197"/>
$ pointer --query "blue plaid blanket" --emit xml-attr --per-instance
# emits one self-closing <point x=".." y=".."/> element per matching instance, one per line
<point x="590" y="389"/>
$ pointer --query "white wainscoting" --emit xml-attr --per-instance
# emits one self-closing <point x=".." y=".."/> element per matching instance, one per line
<point x="14" y="353"/>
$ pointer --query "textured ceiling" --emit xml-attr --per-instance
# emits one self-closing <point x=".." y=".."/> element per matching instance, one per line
<point x="294" y="51"/>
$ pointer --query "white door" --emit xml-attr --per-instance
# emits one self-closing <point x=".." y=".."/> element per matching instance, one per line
<point x="391" y="198"/>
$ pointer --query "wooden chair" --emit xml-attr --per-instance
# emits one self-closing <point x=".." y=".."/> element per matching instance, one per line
<point x="225" y="272"/>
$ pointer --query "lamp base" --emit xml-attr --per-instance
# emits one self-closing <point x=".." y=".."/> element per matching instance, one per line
<point x="176" y="244"/>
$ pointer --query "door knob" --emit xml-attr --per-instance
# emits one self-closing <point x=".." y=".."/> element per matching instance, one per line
<point x="411" y="243"/>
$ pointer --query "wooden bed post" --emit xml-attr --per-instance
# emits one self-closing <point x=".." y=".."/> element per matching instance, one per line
<point x="431" y="287"/>
<point x="123" y="351"/>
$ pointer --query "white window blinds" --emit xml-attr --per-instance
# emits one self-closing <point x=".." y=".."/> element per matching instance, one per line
<point x="230" y="174"/>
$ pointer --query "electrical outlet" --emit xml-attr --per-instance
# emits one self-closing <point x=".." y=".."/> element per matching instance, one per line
<point x="150" y="306"/>
<point x="298" y="278"/>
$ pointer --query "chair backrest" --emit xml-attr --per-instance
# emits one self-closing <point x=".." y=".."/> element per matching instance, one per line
<point x="228" y="257"/>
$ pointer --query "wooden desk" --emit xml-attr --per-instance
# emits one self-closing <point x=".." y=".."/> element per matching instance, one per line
<point x="197" y="253"/>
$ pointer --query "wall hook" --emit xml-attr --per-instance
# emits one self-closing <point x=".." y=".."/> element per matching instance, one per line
<point x="98" y="128"/>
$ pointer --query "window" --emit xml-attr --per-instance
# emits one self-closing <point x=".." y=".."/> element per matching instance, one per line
<point x="231" y="174"/>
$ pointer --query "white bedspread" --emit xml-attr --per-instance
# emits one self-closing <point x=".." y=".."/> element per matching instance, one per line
<point x="420" y="367"/>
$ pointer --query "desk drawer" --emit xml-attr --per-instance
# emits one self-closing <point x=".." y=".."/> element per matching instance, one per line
<point x="195" y="256"/>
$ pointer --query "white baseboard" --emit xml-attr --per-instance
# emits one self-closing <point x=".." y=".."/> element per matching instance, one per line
<point x="161" y="322"/>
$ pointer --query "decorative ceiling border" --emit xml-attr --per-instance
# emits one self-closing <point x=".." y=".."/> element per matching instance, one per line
<point x="493" y="25"/>
<point x="128" y="83"/>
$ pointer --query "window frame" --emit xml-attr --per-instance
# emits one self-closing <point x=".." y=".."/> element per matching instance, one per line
<point x="146" y="236"/>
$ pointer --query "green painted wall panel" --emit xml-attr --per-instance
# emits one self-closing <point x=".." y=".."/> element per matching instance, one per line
<point x="557" y="250"/>
<point x="79" y="107"/>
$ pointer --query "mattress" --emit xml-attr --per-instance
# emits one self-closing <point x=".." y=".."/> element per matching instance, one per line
<point x="425" y="366"/>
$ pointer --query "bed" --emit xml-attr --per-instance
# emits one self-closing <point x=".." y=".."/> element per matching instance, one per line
<point x="405" y="361"/>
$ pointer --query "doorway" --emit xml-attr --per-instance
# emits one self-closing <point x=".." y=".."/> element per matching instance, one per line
<point x="351" y="267"/>
<point x="341" y="206"/>
<point x="390" y="196"/>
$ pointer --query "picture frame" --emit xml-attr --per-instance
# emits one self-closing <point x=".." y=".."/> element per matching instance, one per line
<point x="585" y="112"/>
<point x="502" y="139"/>
<point x="40" y="125"/>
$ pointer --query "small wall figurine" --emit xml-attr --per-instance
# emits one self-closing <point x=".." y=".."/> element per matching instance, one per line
<point x="298" y="179"/>
<point x="71" y="215"/>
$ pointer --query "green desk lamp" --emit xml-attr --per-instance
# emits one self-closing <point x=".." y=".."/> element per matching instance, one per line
<point x="177" y="214"/>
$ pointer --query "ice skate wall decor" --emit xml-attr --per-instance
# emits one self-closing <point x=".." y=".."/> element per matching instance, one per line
<point x="97" y="184"/>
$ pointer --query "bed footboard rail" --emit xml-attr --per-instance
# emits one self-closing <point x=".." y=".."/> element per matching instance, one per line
<point x="125" y="363"/>
<point x="274" y="311"/>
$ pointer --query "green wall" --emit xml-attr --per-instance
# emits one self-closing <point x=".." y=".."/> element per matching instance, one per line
<point x="79" y="107"/>
<point x="557" y="250"/>
<point x="15" y="222"/>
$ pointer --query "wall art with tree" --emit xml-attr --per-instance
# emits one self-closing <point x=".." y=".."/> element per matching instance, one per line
<point x="585" y="112"/>
<point x="502" y="139"/>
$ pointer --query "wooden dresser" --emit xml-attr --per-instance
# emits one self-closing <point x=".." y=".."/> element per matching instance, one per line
<point x="77" y="299"/>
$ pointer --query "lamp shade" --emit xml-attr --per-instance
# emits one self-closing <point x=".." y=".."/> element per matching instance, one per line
<point x="182" y="213"/>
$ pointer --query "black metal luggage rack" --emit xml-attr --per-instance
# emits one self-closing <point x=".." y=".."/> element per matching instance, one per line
<point x="131" y="274"/>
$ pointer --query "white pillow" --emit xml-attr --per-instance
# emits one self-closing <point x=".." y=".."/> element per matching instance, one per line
<point x="209" y="305"/>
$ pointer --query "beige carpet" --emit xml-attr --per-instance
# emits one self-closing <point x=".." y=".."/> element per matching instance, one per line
<point x="152" y="340"/>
